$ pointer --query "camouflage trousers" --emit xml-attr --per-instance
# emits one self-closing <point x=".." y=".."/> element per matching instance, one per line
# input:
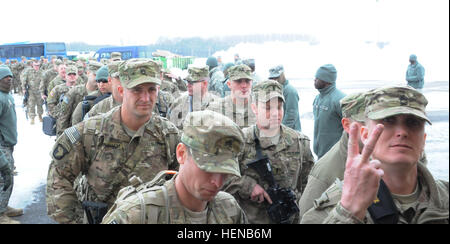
<point x="5" y="195"/>
<point x="35" y="101"/>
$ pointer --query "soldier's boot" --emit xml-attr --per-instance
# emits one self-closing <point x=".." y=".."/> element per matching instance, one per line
<point x="40" y="118"/>
<point x="13" y="212"/>
<point x="32" y="121"/>
<point x="7" y="220"/>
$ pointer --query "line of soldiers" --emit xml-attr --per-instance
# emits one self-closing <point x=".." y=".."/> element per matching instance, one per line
<point x="232" y="158"/>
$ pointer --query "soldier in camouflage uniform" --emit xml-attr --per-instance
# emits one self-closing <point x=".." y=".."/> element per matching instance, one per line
<point x="108" y="150"/>
<point x="56" y="95"/>
<point x="207" y="155"/>
<point x="288" y="151"/>
<point x="58" y="80"/>
<point x="16" y="79"/>
<point x="82" y="78"/>
<point x="385" y="183"/>
<point x="236" y="106"/>
<point x="216" y="77"/>
<point x="103" y="83"/>
<point x="162" y="105"/>
<point x="168" y="86"/>
<point x="332" y="165"/>
<point x="74" y="96"/>
<point x="196" y="99"/>
<point x="179" y="83"/>
<point x="112" y="101"/>
<point x="30" y="82"/>
<point x="48" y="76"/>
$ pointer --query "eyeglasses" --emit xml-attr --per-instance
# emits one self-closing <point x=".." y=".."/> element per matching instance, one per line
<point x="71" y="74"/>
<point x="102" y="81"/>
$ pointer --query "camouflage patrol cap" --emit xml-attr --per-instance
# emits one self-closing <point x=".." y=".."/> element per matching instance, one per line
<point x="136" y="71"/>
<point x="198" y="74"/>
<point x="116" y="56"/>
<point x="113" y="68"/>
<point x="393" y="100"/>
<point x="214" y="141"/>
<point x="58" y="62"/>
<point x="94" y="66"/>
<point x="276" y="71"/>
<point x="240" y="71"/>
<point x="71" y="69"/>
<point x="353" y="106"/>
<point x="266" y="90"/>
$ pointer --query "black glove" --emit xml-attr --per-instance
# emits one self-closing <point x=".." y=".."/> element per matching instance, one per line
<point x="6" y="174"/>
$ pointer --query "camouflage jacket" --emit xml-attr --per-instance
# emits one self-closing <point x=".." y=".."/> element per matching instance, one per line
<point x="54" y="99"/>
<point x="241" y="114"/>
<point x="70" y="101"/>
<point x="215" y="84"/>
<point x="149" y="205"/>
<point x="32" y="79"/>
<point x="325" y="172"/>
<point x="77" y="114"/>
<point x="170" y="87"/>
<point x="181" y="107"/>
<point x="430" y="207"/>
<point x="48" y="76"/>
<point x="163" y="103"/>
<point x="291" y="160"/>
<point x="101" y="149"/>
<point x="53" y="83"/>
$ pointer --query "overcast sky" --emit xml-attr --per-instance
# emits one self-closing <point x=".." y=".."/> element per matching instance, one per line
<point x="143" y="22"/>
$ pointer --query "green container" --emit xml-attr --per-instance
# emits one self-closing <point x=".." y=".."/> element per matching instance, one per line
<point x="163" y="60"/>
<point x="175" y="62"/>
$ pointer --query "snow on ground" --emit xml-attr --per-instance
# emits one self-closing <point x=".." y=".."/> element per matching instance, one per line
<point x="31" y="156"/>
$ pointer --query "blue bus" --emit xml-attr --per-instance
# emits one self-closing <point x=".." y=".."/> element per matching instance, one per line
<point x="127" y="52"/>
<point x="32" y="50"/>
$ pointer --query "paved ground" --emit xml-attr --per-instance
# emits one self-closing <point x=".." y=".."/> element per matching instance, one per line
<point x="36" y="213"/>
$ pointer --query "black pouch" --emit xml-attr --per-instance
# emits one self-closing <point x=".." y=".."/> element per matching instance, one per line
<point x="49" y="126"/>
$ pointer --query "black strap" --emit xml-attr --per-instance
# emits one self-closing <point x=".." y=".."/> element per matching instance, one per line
<point x="257" y="146"/>
<point x="100" y="98"/>
<point x="383" y="209"/>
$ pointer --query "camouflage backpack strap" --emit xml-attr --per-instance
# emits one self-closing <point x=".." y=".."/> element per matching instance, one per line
<point x="92" y="128"/>
<point x="171" y="140"/>
<point x="155" y="184"/>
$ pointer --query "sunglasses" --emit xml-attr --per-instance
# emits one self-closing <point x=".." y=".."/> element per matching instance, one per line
<point x="102" y="81"/>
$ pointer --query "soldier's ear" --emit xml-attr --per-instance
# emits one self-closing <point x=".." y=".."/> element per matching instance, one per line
<point x="181" y="152"/>
<point x="364" y="134"/>
<point x="120" y="89"/>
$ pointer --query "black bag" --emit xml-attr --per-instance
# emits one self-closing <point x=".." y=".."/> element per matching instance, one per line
<point x="49" y="125"/>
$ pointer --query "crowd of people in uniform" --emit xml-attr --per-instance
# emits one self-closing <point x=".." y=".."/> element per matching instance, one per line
<point x="145" y="146"/>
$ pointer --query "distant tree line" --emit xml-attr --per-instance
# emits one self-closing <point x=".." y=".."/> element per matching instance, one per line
<point x="203" y="47"/>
